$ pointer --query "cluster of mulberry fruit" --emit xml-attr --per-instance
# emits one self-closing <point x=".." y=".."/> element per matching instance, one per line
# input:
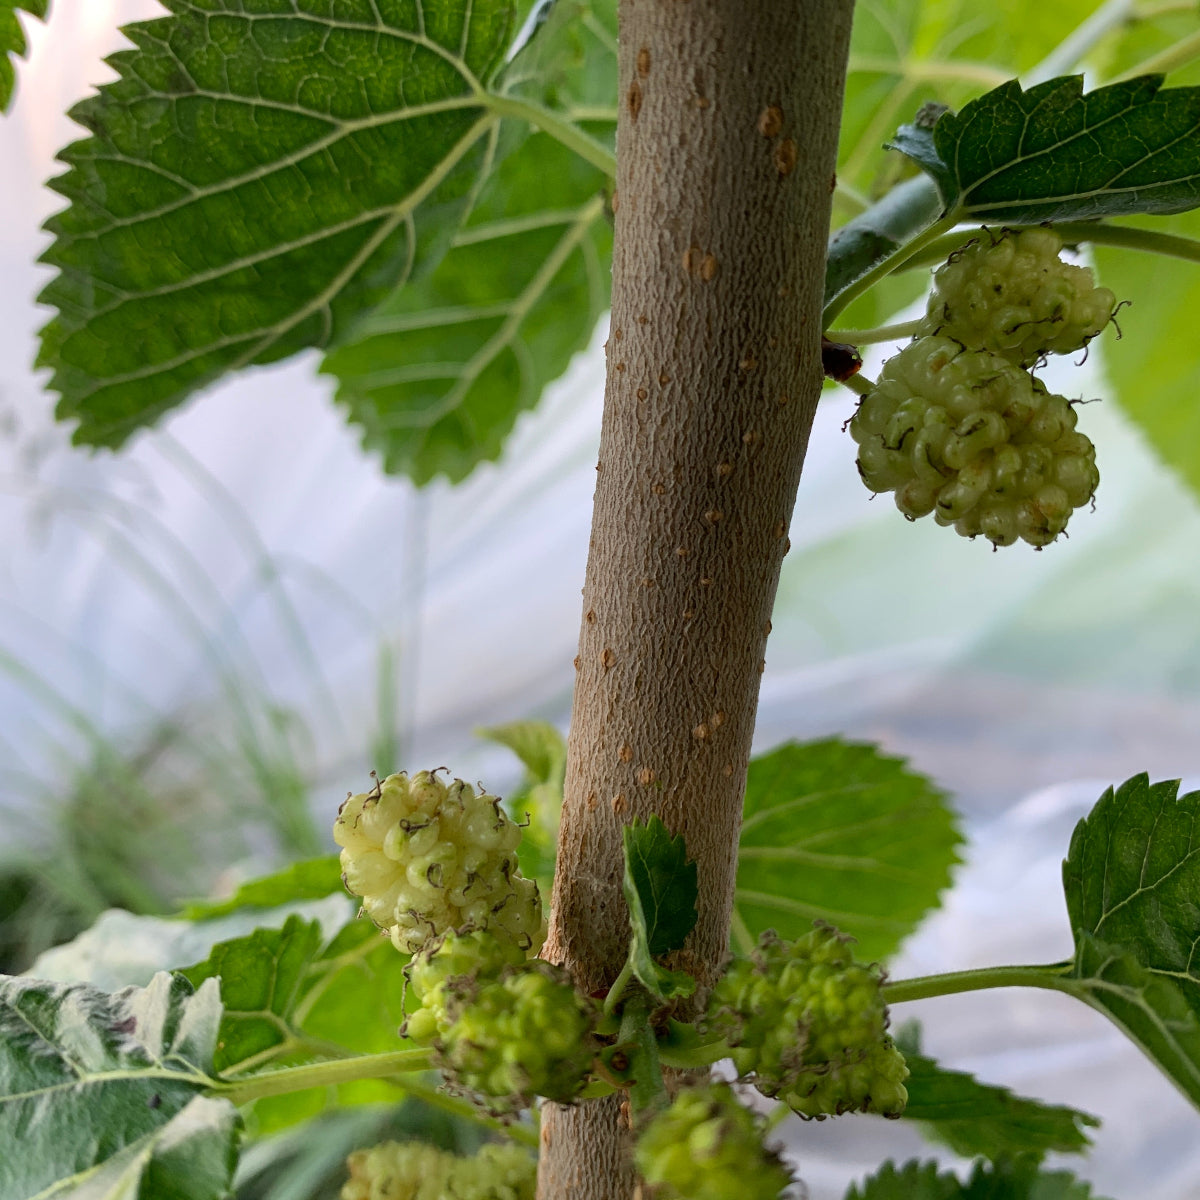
<point x="427" y="857"/>
<point x="415" y="1171"/>
<point x="505" y="1028"/>
<point x="807" y="1023"/>
<point x="708" y="1146"/>
<point x="957" y="426"/>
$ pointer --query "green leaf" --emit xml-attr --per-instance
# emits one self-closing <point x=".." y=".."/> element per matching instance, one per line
<point x="438" y="375"/>
<point x="123" y="948"/>
<point x="570" y="64"/>
<point x="260" y="976"/>
<point x="1052" y="153"/>
<point x="1156" y="1012"/>
<point x="661" y="890"/>
<point x="192" y="1157"/>
<point x="913" y="1181"/>
<point x="1132" y="882"/>
<point x="974" y="1118"/>
<point x="917" y="141"/>
<point x="1155" y="377"/>
<point x="294" y="994"/>
<point x="1132" y="875"/>
<point x="538" y="744"/>
<point x="839" y="832"/>
<point x="661" y="880"/>
<point x="100" y="1093"/>
<point x="647" y="1088"/>
<point x="12" y="41"/>
<point x="1013" y="1179"/>
<point x="310" y="879"/>
<point x="259" y="175"/>
<point x="538" y="801"/>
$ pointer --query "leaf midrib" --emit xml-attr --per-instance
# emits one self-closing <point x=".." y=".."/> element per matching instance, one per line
<point x="340" y="130"/>
<point x="401" y="214"/>
<point x="1022" y="159"/>
<point x="190" y="1075"/>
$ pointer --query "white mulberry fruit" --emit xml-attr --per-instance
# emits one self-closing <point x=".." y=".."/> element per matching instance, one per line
<point x="708" y="1146"/>
<point x="416" y="1171"/>
<point x="427" y="857"/>
<point x="807" y="1023"/>
<point x="976" y="441"/>
<point x="1012" y="295"/>
<point x="504" y="1028"/>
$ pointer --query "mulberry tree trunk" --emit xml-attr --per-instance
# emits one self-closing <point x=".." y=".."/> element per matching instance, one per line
<point x="726" y="149"/>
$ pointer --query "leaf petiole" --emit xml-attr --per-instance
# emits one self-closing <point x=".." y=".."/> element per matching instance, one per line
<point x="1054" y="976"/>
<point x="1066" y="56"/>
<point x="618" y="988"/>
<point x="648" y="1089"/>
<point x="549" y="122"/>
<point x="1171" y="59"/>
<point x="859" y="384"/>
<point x="866" y="337"/>
<point x="323" y="1074"/>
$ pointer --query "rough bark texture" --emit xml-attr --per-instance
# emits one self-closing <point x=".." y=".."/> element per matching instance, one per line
<point x="725" y="165"/>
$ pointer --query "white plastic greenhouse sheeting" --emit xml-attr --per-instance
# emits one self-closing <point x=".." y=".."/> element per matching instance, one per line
<point x="1023" y="682"/>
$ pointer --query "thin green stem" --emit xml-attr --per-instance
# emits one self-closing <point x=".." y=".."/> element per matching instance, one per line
<point x="597" y="1090"/>
<point x="459" y="1107"/>
<point x="325" y="1074"/>
<point x="924" y="70"/>
<point x="618" y="988"/>
<point x="859" y="383"/>
<point x="559" y="129"/>
<point x="1168" y="8"/>
<point x="1052" y="976"/>
<point x="691" y="1058"/>
<point x="648" y="1090"/>
<point x="592" y="112"/>
<point x="866" y="337"/>
<point x="1073" y="232"/>
<point x="885" y="267"/>
<point x="1165" y="61"/>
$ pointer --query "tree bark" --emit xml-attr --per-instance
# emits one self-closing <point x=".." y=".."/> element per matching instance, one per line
<point x="726" y="150"/>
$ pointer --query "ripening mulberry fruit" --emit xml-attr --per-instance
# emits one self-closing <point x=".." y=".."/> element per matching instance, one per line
<point x="1012" y="295"/>
<point x="807" y="1023"/>
<point x="427" y="857"/>
<point x="415" y="1171"/>
<point x="976" y="441"/>
<point x="504" y="1027"/>
<point x="443" y="968"/>
<point x="707" y="1146"/>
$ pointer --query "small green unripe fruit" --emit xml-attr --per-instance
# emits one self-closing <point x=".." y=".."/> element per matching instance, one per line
<point x="1011" y="295"/>
<point x="807" y="1023"/>
<point x="707" y="1146"/>
<point x="974" y="440"/>
<point x="504" y="1028"/>
<point x="427" y="857"/>
<point x="416" y="1171"/>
